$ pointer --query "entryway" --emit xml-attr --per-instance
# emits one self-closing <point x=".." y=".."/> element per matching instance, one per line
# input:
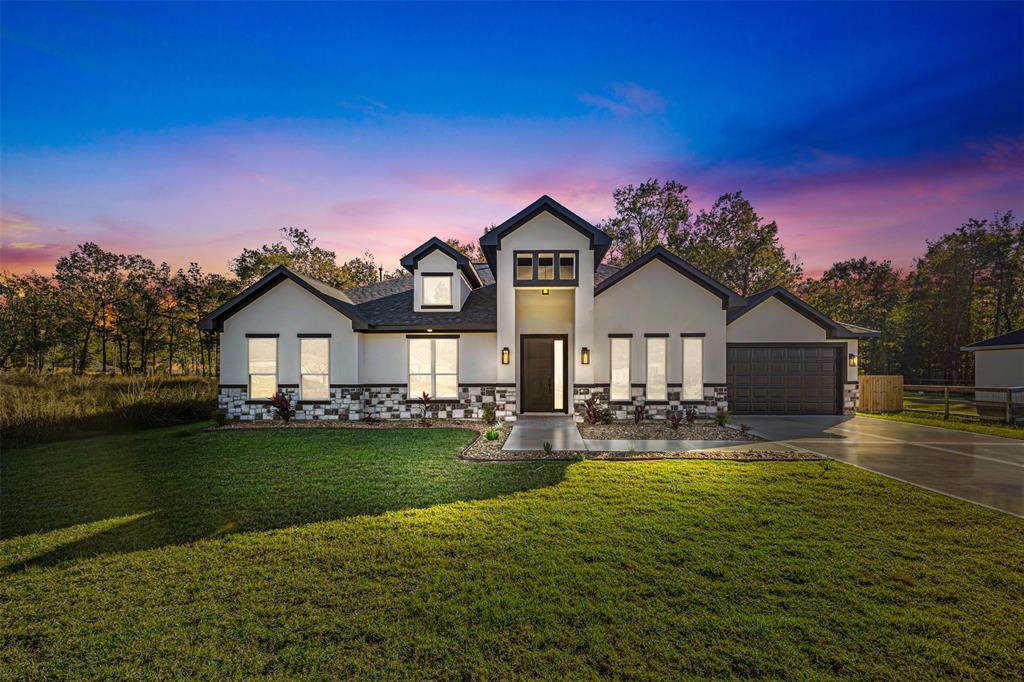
<point x="544" y="373"/>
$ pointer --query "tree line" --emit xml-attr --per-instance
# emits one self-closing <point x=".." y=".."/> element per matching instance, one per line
<point x="101" y="311"/>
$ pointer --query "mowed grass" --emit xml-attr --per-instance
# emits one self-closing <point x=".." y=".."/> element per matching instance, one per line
<point x="989" y="428"/>
<point x="377" y="554"/>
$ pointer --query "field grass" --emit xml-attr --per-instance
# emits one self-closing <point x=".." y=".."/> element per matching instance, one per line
<point x="377" y="554"/>
<point x="974" y="426"/>
<point x="47" y="408"/>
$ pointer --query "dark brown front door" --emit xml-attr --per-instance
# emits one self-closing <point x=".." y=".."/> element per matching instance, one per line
<point x="537" y="372"/>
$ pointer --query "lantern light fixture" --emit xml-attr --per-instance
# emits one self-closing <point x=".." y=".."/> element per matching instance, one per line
<point x="853" y="359"/>
<point x="545" y="291"/>
<point x="504" y="355"/>
<point x="584" y="356"/>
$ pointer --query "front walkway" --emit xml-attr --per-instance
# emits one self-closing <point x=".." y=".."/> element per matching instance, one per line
<point x="531" y="432"/>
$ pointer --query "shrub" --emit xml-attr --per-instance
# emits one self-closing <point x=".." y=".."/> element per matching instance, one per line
<point x="744" y="428"/>
<point x="638" y="413"/>
<point x="592" y="411"/>
<point x="219" y="417"/>
<point x="490" y="413"/>
<point x="722" y="417"/>
<point x="606" y="416"/>
<point x="675" y="420"/>
<point x="547" y="447"/>
<point x="491" y="434"/>
<point x="424" y="404"/>
<point x="691" y="415"/>
<point x="282" y="407"/>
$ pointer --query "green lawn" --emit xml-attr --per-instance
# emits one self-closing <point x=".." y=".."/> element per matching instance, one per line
<point x="987" y="427"/>
<point x="369" y="554"/>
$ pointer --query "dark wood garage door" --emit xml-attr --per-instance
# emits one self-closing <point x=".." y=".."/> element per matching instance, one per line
<point x="783" y="379"/>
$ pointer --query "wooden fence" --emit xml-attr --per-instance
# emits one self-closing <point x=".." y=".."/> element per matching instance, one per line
<point x="881" y="393"/>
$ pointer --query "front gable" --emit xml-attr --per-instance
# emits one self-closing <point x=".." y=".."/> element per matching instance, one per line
<point x="772" y="321"/>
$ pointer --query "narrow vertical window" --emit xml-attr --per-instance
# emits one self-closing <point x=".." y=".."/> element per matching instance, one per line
<point x="434" y="368"/>
<point x="421" y="364"/>
<point x="567" y="266"/>
<point x="314" y="361"/>
<point x="693" y="368"/>
<point x="524" y="266"/>
<point x="620" y="369"/>
<point x="545" y="266"/>
<point x="559" y="366"/>
<point x="657" y="360"/>
<point x="262" y="368"/>
<point x="437" y="290"/>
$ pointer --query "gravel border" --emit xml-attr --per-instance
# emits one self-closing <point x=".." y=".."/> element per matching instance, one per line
<point x="661" y="430"/>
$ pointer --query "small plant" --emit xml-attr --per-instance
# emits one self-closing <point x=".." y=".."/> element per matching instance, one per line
<point x="744" y="428"/>
<point x="578" y="458"/>
<point x="722" y="417"/>
<point x="219" y="417"/>
<point x="675" y="420"/>
<point x="282" y="407"/>
<point x="691" y="415"/>
<point x="592" y="410"/>
<point x="424" y="403"/>
<point x="490" y="413"/>
<point x="606" y="416"/>
<point x="491" y="434"/>
<point x="547" y="447"/>
<point x="638" y="413"/>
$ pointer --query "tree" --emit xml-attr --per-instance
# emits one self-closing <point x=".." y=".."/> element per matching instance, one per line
<point x="469" y="249"/>
<point x="646" y="215"/>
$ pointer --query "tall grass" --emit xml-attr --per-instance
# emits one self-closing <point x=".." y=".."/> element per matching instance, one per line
<point x="35" y="409"/>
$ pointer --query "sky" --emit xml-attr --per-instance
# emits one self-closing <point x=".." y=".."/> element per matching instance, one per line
<point x="186" y="132"/>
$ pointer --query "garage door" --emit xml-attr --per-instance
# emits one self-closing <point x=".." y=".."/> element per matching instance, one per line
<point x="783" y="379"/>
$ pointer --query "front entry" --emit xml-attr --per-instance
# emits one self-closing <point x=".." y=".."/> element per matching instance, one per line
<point x="543" y="372"/>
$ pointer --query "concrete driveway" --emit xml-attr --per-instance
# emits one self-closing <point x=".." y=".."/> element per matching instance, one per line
<point x="986" y="470"/>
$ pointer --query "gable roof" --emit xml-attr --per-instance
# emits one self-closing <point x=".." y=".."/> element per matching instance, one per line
<point x="833" y="329"/>
<point x="730" y="299"/>
<point x="1014" y="339"/>
<point x="394" y="312"/>
<point x="489" y="243"/>
<point x="336" y="298"/>
<point x="410" y="260"/>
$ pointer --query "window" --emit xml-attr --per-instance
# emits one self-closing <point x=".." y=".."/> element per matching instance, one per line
<point x="262" y="368"/>
<point x="559" y="346"/>
<point x="314" y="358"/>
<point x="620" y="368"/>
<point x="567" y="266"/>
<point x="657" y="360"/>
<point x="545" y="266"/>
<point x="693" y="368"/>
<point x="524" y="266"/>
<point x="437" y="290"/>
<point x="433" y="368"/>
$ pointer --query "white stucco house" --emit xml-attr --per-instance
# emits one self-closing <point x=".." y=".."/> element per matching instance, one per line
<point x="538" y="327"/>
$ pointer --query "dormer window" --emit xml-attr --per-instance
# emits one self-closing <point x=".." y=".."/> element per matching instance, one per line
<point x="437" y="290"/>
<point x="546" y="268"/>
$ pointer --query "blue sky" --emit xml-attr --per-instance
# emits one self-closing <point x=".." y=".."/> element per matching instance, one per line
<point x="185" y="131"/>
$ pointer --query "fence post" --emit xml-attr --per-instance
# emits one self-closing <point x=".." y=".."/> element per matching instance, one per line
<point x="945" y="400"/>
<point x="1009" y="406"/>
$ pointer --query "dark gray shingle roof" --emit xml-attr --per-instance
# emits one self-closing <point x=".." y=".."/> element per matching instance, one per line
<point x="1014" y="338"/>
<point x="396" y="311"/>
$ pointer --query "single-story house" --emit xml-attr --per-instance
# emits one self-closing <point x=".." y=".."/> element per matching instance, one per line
<point x="999" y="361"/>
<point x="539" y="326"/>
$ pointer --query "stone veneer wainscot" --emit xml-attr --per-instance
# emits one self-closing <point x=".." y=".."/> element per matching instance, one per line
<point x="715" y="399"/>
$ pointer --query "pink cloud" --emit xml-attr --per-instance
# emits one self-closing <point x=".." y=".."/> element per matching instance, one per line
<point x="627" y="99"/>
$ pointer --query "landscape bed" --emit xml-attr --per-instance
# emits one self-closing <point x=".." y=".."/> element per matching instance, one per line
<point x="370" y="553"/>
<point x="662" y="430"/>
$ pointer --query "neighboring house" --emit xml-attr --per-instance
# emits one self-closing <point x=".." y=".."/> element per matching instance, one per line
<point x="998" y="361"/>
<point x="539" y="327"/>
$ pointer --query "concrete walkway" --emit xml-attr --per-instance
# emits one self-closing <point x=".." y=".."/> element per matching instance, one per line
<point x="531" y="432"/>
<point x="986" y="470"/>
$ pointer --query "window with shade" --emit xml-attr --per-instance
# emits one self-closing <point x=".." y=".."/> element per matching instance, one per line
<point x="693" y="368"/>
<point x="546" y="268"/>
<point x="657" y="369"/>
<point x="433" y="368"/>
<point x="619" y="358"/>
<point x="262" y="368"/>
<point x="437" y="291"/>
<point x="314" y="363"/>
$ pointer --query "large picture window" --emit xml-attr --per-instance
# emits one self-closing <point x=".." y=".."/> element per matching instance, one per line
<point x="434" y="368"/>
<point x="437" y="291"/>
<point x="262" y="368"/>
<point x="657" y="368"/>
<point x="314" y="361"/>
<point x="620" y="368"/>
<point x="693" y="368"/>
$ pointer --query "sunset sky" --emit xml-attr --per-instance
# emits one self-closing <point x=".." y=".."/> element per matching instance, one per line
<point x="186" y="132"/>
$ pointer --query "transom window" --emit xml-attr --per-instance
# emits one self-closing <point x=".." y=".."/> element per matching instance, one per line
<point x="546" y="268"/>
<point x="433" y="368"/>
<point x="437" y="290"/>
<point x="314" y="361"/>
<point x="262" y="368"/>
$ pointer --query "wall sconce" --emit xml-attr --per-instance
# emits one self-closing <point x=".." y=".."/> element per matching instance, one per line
<point x="584" y="356"/>
<point x="504" y="355"/>
<point x="853" y="359"/>
<point x="544" y="291"/>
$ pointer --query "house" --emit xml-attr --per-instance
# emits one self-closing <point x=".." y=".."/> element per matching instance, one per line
<point x="999" y="361"/>
<point x="539" y="327"/>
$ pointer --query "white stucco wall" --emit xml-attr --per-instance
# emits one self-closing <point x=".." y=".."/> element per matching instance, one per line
<point x="436" y="261"/>
<point x="657" y="299"/>
<point x="384" y="358"/>
<point x="1004" y="367"/>
<point x="545" y="232"/>
<point x="288" y="310"/>
<point x="775" y="322"/>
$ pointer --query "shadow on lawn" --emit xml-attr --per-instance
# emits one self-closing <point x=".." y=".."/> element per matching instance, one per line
<point x="174" y="486"/>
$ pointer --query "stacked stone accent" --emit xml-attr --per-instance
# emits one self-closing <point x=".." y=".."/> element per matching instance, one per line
<point x="715" y="398"/>
<point x="353" y="403"/>
<point x="851" y="396"/>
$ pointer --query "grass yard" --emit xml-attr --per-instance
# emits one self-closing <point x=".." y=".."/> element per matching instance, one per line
<point x="987" y="427"/>
<point x="369" y="554"/>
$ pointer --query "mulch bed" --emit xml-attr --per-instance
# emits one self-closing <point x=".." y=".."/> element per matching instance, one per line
<point x="657" y="430"/>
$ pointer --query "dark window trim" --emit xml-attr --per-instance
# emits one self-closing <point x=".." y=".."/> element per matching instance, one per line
<point x="655" y="402"/>
<point x="246" y="386"/>
<point x="451" y="291"/>
<point x="287" y="385"/>
<point x="261" y="401"/>
<point x="437" y="274"/>
<point x="437" y="307"/>
<point x="262" y="336"/>
<point x="620" y="336"/>
<point x="556" y="281"/>
<point x="431" y="336"/>
<point x="693" y="335"/>
<point x="314" y="402"/>
<point x="313" y="336"/>
<point x="656" y="335"/>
